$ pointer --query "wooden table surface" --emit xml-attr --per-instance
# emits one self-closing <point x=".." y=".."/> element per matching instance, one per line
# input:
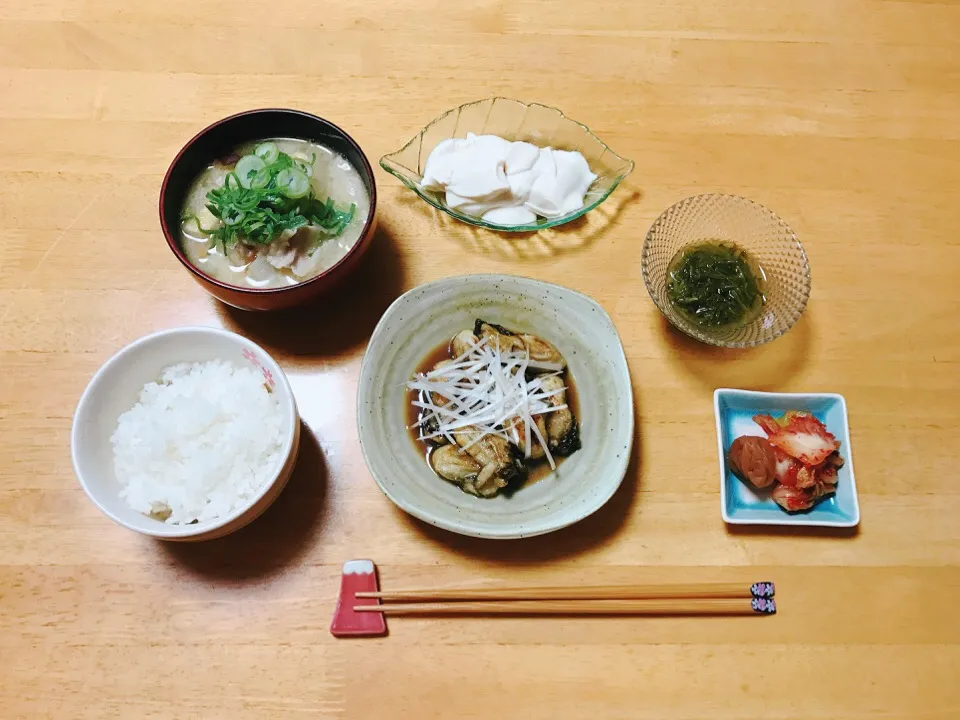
<point x="841" y="115"/>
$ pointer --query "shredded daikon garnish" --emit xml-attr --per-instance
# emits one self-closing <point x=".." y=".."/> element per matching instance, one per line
<point x="487" y="392"/>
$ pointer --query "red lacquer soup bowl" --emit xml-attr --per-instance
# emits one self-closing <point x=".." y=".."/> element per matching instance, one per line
<point x="220" y="140"/>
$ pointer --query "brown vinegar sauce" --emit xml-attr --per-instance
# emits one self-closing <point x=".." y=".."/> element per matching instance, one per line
<point x="536" y="469"/>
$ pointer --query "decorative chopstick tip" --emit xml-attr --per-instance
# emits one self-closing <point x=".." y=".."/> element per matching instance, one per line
<point x="764" y="606"/>
<point x="762" y="590"/>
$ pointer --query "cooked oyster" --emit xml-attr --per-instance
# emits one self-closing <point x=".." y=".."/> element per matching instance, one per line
<point x="482" y="405"/>
<point x="539" y="349"/>
<point x="451" y="463"/>
<point x="498" y="460"/>
<point x="563" y="433"/>
<point x="462" y="342"/>
<point x="433" y="425"/>
<point x="536" y="449"/>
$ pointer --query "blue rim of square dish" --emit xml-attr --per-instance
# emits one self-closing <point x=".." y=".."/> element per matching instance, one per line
<point x="742" y="505"/>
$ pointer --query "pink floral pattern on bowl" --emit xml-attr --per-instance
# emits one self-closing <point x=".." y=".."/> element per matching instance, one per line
<point x="267" y="375"/>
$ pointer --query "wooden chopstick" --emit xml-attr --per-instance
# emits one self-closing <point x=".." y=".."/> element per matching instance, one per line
<point x="596" y="592"/>
<point x="677" y="606"/>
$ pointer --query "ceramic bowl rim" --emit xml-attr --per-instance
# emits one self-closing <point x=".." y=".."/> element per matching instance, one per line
<point x="620" y="468"/>
<point x="178" y="532"/>
<point x="172" y="237"/>
<point x="787" y="518"/>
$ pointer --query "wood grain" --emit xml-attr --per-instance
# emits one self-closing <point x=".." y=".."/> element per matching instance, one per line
<point x="841" y="115"/>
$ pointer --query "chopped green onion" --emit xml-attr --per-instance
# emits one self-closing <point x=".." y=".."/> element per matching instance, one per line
<point x="259" y="200"/>
<point x="248" y="167"/>
<point x="268" y="152"/>
<point x="293" y="183"/>
<point x="261" y="179"/>
<point x="307" y="167"/>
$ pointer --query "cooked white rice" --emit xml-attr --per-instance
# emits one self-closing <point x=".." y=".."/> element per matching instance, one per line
<point x="199" y="444"/>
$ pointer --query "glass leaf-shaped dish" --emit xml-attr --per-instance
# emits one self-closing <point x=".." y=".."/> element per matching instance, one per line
<point x="513" y="120"/>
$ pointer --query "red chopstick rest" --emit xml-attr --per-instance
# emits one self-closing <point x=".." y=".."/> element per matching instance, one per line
<point x="357" y="576"/>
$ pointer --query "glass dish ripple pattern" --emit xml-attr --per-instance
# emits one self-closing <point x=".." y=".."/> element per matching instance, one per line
<point x="758" y="231"/>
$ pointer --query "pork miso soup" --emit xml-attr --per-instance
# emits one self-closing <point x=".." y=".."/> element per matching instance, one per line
<point x="274" y="213"/>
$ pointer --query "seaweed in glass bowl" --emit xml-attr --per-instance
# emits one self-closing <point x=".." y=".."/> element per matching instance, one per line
<point x="513" y="120"/>
<point x="749" y="231"/>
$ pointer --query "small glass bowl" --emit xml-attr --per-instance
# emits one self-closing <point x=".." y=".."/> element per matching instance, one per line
<point x="513" y="120"/>
<point x="754" y="228"/>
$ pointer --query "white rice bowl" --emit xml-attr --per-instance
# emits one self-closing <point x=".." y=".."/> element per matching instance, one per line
<point x="199" y="444"/>
<point x="118" y="387"/>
